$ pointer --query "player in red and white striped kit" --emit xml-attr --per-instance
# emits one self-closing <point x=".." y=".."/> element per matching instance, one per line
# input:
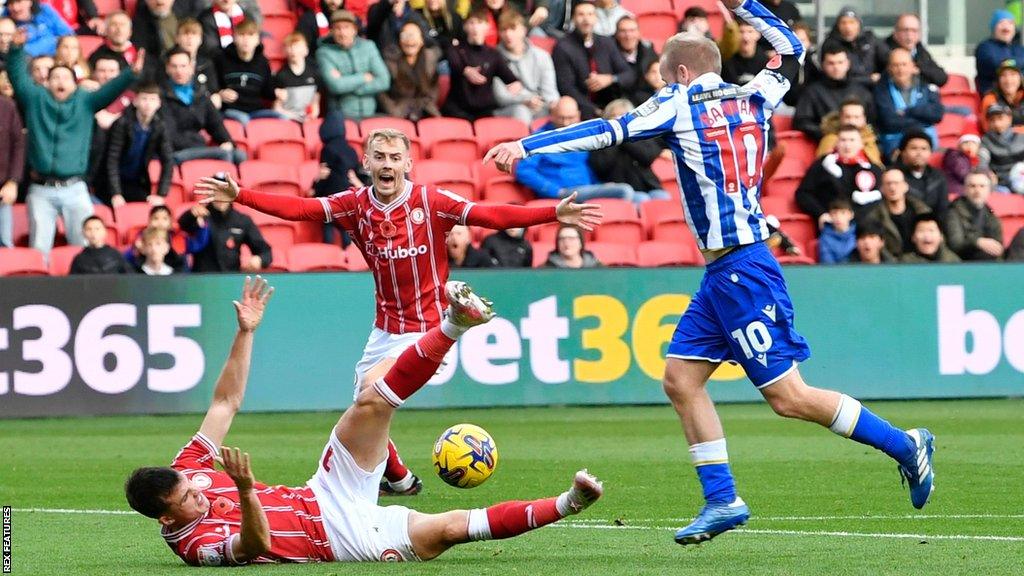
<point x="226" y="518"/>
<point x="401" y="228"/>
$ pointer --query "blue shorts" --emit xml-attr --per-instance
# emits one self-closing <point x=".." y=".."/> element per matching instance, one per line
<point x="742" y="313"/>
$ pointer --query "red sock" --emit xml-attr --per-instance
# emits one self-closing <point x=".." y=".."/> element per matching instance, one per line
<point x="513" y="518"/>
<point x="395" y="471"/>
<point x="415" y="366"/>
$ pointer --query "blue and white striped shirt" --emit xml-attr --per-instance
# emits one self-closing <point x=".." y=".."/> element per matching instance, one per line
<point x="717" y="133"/>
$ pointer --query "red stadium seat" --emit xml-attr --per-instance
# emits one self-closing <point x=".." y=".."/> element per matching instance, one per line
<point x="800" y="229"/>
<point x="129" y="219"/>
<point x="444" y="87"/>
<point x="311" y="133"/>
<point x="797" y="146"/>
<point x="277" y="140"/>
<point x="237" y="133"/>
<point x="1011" y="226"/>
<point x="779" y="205"/>
<point x="452" y="176"/>
<point x="1006" y="204"/>
<point x="665" y="170"/>
<point x="657" y="27"/>
<point x="60" y="259"/>
<point x="782" y="122"/>
<point x="315" y="257"/>
<point x="957" y="84"/>
<point x="653" y="254"/>
<point x="545" y="43"/>
<point x="279" y="233"/>
<point x="950" y="129"/>
<point x="270" y="177"/>
<point x="935" y="160"/>
<point x="620" y="223"/>
<point x="492" y="130"/>
<point x="354" y="259"/>
<point x="639" y="7"/>
<point x="671" y="231"/>
<point x="788" y="260"/>
<point x="401" y="124"/>
<point x="279" y="262"/>
<point x="715" y="17"/>
<point x="505" y="190"/>
<point x="88" y="44"/>
<point x="784" y="187"/>
<point x="655" y="211"/>
<point x="193" y="170"/>
<point x="22" y="262"/>
<point x="447" y="139"/>
<point x="176" y="193"/>
<point x="275" y="7"/>
<point x="613" y="254"/>
<point x="309" y="171"/>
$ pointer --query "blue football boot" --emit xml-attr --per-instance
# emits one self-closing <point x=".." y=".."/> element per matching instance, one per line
<point x="918" y="472"/>
<point x="713" y="520"/>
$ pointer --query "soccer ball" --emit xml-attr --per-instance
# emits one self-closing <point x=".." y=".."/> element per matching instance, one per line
<point x="465" y="456"/>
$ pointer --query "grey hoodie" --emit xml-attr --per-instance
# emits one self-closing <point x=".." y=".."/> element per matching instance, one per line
<point x="535" y="71"/>
<point x="999" y="152"/>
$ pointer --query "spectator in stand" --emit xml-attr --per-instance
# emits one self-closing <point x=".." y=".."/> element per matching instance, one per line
<point x="866" y="52"/>
<point x="994" y="51"/>
<point x="491" y="11"/>
<point x="160" y="219"/>
<point x="609" y="12"/>
<point x="825" y="95"/>
<point x="897" y="212"/>
<point x="358" y="8"/>
<point x="444" y="25"/>
<point x="12" y="166"/>
<point x="652" y="81"/>
<point x="1001" y="147"/>
<point x="638" y="54"/>
<point x="838" y="238"/>
<point x="118" y="41"/>
<point x="136" y="139"/>
<point x="958" y="162"/>
<point x="189" y="37"/>
<point x="538" y="10"/>
<point x="975" y="232"/>
<point x="929" y="245"/>
<point x="41" y="23"/>
<point x="695" y="19"/>
<point x="1007" y="91"/>
<point x="414" y="77"/>
<point x="749" y="59"/>
<point x="154" y="28"/>
<point x="785" y="10"/>
<point x="532" y="66"/>
<point x="339" y="163"/>
<point x="106" y="69"/>
<point x="851" y="113"/>
<point x="870" y="246"/>
<point x="589" y="67"/>
<point x="315" y="24"/>
<point x="846" y="173"/>
<point x="509" y="248"/>
<point x="39" y="69"/>
<point x="351" y="69"/>
<point x="155" y="247"/>
<point x="474" y="67"/>
<point x="296" y="84"/>
<point x="7" y="30"/>
<point x="69" y="55"/>
<point x="219" y="21"/>
<point x="97" y="257"/>
<point x="228" y="230"/>
<point x="907" y="35"/>
<point x="462" y="253"/>
<point x="386" y="20"/>
<point x="559" y="175"/>
<point x="809" y="71"/>
<point x="570" y="250"/>
<point x="247" y="85"/>
<point x="1015" y="253"/>
<point x="80" y="15"/>
<point x="630" y="162"/>
<point x="927" y="183"/>
<point x="59" y="122"/>
<point x="905" y="104"/>
<point x="187" y="109"/>
<point x="5" y="85"/>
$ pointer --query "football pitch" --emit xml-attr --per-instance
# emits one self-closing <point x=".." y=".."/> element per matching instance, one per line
<point x="820" y="504"/>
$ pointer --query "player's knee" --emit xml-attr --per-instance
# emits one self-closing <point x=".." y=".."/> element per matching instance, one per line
<point x="454" y="532"/>
<point x="371" y="400"/>
<point x="677" y="387"/>
<point x="789" y="403"/>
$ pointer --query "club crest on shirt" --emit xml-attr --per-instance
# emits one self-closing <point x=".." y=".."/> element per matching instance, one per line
<point x="417" y="216"/>
<point x="865" y="180"/>
<point x="209" y="556"/>
<point x="223" y="506"/>
<point x="201" y="481"/>
<point x="390" y="555"/>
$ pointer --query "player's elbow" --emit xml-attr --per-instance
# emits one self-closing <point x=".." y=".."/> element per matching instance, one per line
<point x="256" y="546"/>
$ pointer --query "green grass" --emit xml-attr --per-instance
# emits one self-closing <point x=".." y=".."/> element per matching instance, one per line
<point x="784" y="469"/>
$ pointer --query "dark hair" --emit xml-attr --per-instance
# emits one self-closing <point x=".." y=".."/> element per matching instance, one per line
<point x="579" y="3"/>
<point x="59" y="67"/>
<point x="160" y="208"/>
<point x="247" y="26"/>
<point x="869" y="228"/>
<point x="176" y="50"/>
<point x="852" y="101"/>
<point x="915" y="135"/>
<point x="481" y="13"/>
<point x="926" y="217"/>
<point x="570" y="227"/>
<point x="148" y="88"/>
<point x="848" y="128"/>
<point x="147" y="488"/>
<point x="695" y="12"/>
<point x="90" y="219"/>
<point x="831" y="49"/>
<point x="110" y="58"/>
<point x="840" y="204"/>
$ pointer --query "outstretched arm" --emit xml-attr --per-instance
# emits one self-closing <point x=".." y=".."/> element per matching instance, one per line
<point x="505" y="216"/>
<point x="230" y="388"/>
<point x="287" y="207"/>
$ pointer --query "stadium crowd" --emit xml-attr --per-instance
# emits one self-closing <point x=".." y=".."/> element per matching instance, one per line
<point x="112" y="111"/>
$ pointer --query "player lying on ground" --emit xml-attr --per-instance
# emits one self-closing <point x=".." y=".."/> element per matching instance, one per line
<point x="401" y="228"/>
<point x="742" y="312"/>
<point x="214" y="518"/>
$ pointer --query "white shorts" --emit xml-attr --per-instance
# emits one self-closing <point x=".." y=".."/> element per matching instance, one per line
<point x="380" y="346"/>
<point x="358" y="529"/>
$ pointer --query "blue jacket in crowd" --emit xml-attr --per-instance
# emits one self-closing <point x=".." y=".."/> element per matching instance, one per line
<point x="43" y="30"/>
<point x="897" y="117"/>
<point x="835" y="247"/>
<point x="546" y="174"/>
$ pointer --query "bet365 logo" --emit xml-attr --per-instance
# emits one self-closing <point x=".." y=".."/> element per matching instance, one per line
<point x="973" y="341"/>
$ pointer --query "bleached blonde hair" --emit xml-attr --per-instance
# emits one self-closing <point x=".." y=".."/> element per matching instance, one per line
<point x="697" y="52"/>
<point x="385" y="135"/>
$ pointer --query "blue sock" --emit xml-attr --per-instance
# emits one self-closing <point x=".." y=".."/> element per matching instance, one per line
<point x="858" y="423"/>
<point x="712" y="462"/>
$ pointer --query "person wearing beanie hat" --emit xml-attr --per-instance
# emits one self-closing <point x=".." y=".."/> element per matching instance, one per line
<point x="958" y="162"/>
<point x="994" y="51"/>
<point x="867" y="52"/>
<point x="1001" y="147"/>
<point x="1008" y="91"/>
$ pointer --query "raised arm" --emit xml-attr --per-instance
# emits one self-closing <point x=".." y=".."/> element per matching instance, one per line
<point x="778" y="77"/>
<point x="230" y="388"/>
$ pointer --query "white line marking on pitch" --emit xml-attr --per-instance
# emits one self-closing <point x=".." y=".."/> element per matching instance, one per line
<point x="75" y="511"/>
<point x="851" y="517"/>
<point x="810" y="533"/>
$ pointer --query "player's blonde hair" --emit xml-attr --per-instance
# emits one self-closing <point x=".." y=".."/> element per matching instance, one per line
<point x="697" y="52"/>
<point x="385" y="135"/>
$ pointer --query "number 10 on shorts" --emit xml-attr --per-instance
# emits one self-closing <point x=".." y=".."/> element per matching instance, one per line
<point x="755" y="340"/>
